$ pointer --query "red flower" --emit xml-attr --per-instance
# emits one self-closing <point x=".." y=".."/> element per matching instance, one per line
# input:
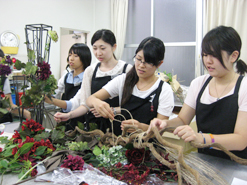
<point x="14" y="150"/>
<point x="73" y="163"/>
<point x="119" y="165"/>
<point x="16" y="136"/>
<point x="32" y="126"/>
<point x="136" y="156"/>
<point x="34" y="172"/>
<point x="129" y="175"/>
<point x="44" y="70"/>
<point x="1" y="149"/>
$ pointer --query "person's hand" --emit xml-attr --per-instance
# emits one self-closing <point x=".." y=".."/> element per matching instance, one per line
<point x="104" y="109"/>
<point x="48" y="100"/>
<point x="160" y="124"/>
<point x="27" y="114"/>
<point x="59" y="116"/>
<point x="188" y="134"/>
<point x="95" y="113"/>
<point x="130" y="122"/>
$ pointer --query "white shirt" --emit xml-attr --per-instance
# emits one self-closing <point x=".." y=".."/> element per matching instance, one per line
<point x="206" y="98"/>
<point x="85" y="90"/>
<point x="166" y="98"/>
<point x="6" y="87"/>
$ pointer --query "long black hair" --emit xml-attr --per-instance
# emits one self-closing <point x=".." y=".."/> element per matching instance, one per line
<point x="154" y="52"/>
<point x="106" y="35"/>
<point x="83" y="51"/>
<point x="220" y="39"/>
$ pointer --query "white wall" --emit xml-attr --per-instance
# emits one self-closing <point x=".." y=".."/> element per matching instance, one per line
<point x="88" y="15"/>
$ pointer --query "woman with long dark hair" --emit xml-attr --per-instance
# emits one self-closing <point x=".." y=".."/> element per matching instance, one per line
<point x="217" y="99"/>
<point x="95" y="77"/>
<point x="140" y="91"/>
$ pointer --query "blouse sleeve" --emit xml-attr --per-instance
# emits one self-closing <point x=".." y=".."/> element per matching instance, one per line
<point x="166" y="100"/>
<point x="60" y="87"/>
<point x="6" y="87"/>
<point x="86" y="85"/>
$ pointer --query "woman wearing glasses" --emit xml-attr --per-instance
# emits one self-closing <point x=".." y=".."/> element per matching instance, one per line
<point x="140" y="91"/>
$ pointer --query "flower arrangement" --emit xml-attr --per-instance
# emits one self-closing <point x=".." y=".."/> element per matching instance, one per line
<point x="23" y="150"/>
<point x="133" y="165"/>
<point x="172" y="80"/>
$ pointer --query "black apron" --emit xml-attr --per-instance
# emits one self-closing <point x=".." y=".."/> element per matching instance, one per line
<point x="96" y="85"/>
<point x="69" y="92"/>
<point x="218" y="118"/>
<point x="141" y="109"/>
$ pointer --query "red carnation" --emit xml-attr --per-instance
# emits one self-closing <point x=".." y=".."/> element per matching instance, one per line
<point x="73" y="163"/>
<point x="34" y="172"/>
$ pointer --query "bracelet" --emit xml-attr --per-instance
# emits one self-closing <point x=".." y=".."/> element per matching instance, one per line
<point x="212" y="139"/>
<point x="114" y="111"/>
<point x="204" y="139"/>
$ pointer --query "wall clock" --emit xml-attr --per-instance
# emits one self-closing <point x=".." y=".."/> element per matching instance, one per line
<point x="9" y="42"/>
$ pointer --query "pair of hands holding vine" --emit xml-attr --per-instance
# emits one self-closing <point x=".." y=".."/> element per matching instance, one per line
<point x="101" y="108"/>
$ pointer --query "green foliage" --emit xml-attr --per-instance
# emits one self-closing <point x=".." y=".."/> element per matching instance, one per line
<point x="93" y="126"/>
<point x="30" y="69"/>
<point x="169" y="75"/>
<point x="57" y="136"/>
<point x="43" y="135"/>
<point x="19" y="65"/>
<point x="4" y="140"/>
<point x="31" y="54"/>
<point x="80" y="125"/>
<point x="110" y="156"/>
<point x="78" y="146"/>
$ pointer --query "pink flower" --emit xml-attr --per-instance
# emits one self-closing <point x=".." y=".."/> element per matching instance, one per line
<point x="73" y="163"/>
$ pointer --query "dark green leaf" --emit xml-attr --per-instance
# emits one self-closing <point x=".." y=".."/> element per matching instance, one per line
<point x="57" y="135"/>
<point x="40" y="150"/>
<point x="4" y="140"/>
<point x="4" y="163"/>
<point x="80" y="125"/>
<point x="94" y="162"/>
<point x="25" y="148"/>
<point x="15" y="165"/>
<point x="43" y="135"/>
<point x="129" y="146"/>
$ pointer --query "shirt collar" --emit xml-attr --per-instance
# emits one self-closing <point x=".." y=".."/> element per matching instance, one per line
<point x="80" y="76"/>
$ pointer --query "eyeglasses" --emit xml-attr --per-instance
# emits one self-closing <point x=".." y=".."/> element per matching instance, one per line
<point x="146" y="64"/>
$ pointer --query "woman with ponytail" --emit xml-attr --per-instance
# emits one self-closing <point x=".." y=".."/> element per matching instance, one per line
<point x="140" y="91"/>
<point x="217" y="99"/>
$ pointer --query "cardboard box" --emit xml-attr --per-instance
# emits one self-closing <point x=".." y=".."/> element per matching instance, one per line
<point x="170" y="137"/>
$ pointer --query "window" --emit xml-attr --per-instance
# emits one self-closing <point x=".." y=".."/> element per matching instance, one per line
<point x="172" y="21"/>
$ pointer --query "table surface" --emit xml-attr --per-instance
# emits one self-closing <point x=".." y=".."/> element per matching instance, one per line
<point x="229" y="169"/>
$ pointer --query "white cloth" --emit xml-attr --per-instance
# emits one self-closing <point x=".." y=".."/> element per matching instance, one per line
<point x="85" y="90"/>
<point x="206" y="98"/>
<point x="60" y="87"/>
<point x="6" y="87"/>
<point x="166" y="98"/>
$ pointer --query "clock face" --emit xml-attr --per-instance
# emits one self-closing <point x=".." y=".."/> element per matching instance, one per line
<point x="9" y="39"/>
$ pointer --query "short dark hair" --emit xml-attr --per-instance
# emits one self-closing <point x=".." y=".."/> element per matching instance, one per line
<point x="84" y="53"/>
<point x="104" y="34"/>
<point x="1" y="53"/>
<point x="153" y="50"/>
<point x="223" y="38"/>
